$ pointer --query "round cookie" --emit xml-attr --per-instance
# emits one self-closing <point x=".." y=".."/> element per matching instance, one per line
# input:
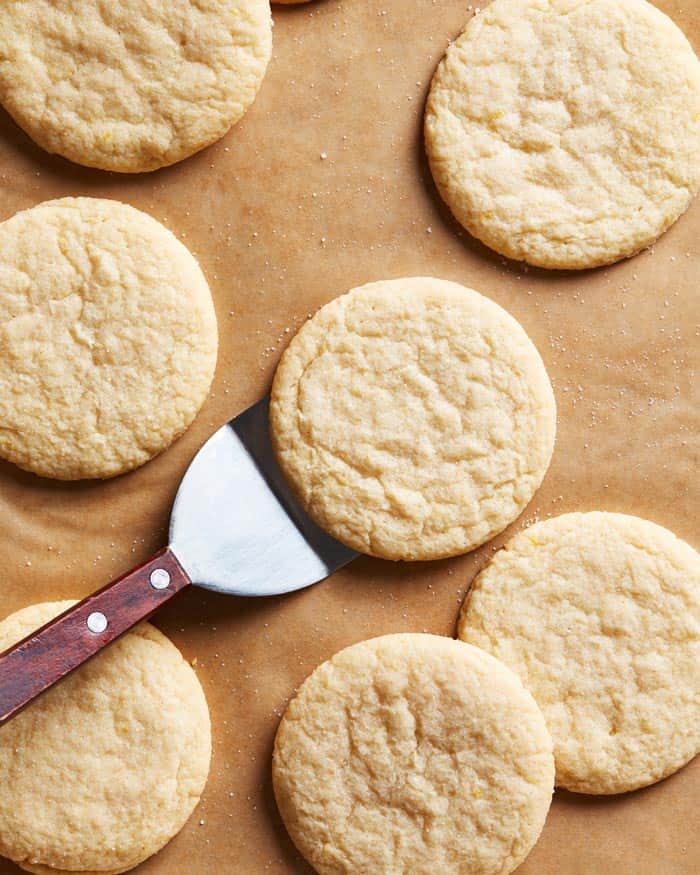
<point x="566" y="133"/>
<point x="104" y="769"/>
<point x="108" y="338"/>
<point x="413" y="753"/>
<point x="134" y="85"/>
<point x="599" y="614"/>
<point x="413" y="418"/>
<point x="49" y="870"/>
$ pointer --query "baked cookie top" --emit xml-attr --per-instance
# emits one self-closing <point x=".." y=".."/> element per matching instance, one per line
<point x="108" y="338"/>
<point x="133" y="85"/>
<point x="413" y="753"/>
<point x="37" y="869"/>
<point x="599" y="614"/>
<point x="103" y="769"/>
<point x="566" y="133"/>
<point x="413" y="418"/>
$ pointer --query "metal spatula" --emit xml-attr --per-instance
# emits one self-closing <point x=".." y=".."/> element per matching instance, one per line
<point x="235" y="528"/>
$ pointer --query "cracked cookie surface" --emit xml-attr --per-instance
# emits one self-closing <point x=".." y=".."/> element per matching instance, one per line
<point x="599" y="614"/>
<point x="105" y="768"/>
<point x="566" y="133"/>
<point x="413" y="753"/>
<point x="134" y="85"/>
<point x="413" y="418"/>
<point x="108" y="338"/>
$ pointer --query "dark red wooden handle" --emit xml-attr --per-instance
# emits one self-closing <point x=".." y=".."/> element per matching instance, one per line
<point x="55" y="650"/>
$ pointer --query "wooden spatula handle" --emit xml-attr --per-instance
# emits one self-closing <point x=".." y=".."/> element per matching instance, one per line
<point x="55" y="650"/>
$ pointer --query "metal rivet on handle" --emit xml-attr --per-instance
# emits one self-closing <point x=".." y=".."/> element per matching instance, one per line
<point x="97" y="623"/>
<point x="160" y="579"/>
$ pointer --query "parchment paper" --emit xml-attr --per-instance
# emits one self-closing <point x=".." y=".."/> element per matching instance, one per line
<point x="279" y="230"/>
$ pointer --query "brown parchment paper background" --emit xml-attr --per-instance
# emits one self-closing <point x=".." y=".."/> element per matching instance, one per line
<point x="279" y="231"/>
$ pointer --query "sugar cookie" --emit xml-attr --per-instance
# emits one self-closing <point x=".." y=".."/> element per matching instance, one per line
<point x="566" y="133"/>
<point x="413" y="418"/>
<point x="413" y="753"/>
<point x="599" y="614"/>
<point x="107" y="338"/>
<point x="105" y="768"/>
<point x="133" y="85"/>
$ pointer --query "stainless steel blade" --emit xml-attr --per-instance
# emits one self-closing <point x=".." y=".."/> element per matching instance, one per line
<point x="236" y="527"/>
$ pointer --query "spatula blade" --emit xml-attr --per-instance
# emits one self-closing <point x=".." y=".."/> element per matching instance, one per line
<point x="236" y="527"/>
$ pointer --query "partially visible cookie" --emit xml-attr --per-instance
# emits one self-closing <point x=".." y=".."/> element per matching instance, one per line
<point x="104" y="769"/>
<point x="413" y="753"/>
<point x="108" y="338"/>
<point x="599" y="614"/>
<point x="49" y="870"/>
<point x="133" y="85"/>
<point x="413" y="418"/>
<point x="566" y="133"/>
